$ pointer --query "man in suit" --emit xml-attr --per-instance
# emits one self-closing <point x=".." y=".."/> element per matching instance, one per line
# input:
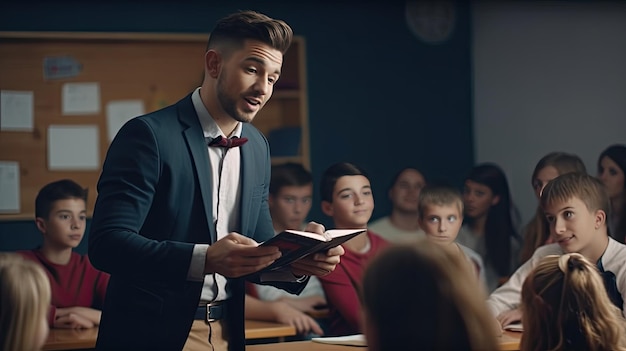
<point x="176" y="222"/>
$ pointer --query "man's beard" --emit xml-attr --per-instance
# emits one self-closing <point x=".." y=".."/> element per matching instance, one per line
<point x="229" y="105"/>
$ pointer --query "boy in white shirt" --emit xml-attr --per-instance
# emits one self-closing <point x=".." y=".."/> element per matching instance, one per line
<point x="576" y="206"/>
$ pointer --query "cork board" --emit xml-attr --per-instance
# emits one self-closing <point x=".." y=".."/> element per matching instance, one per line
<point x="157" y="69"/>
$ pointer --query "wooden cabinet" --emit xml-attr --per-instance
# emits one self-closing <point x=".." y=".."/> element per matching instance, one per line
<point x="155" y="68"/>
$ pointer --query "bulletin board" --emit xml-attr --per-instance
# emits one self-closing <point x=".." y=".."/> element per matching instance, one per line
<point x="153" y="69"/>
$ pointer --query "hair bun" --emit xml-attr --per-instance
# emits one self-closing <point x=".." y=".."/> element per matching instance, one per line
<point x="570" y="261"/>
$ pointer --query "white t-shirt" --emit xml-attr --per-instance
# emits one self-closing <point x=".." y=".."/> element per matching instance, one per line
<point x="389" y="232"/>
<point x="509" y="296"/>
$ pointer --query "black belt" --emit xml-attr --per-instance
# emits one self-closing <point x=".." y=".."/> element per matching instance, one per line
<point x="210" y="312"/>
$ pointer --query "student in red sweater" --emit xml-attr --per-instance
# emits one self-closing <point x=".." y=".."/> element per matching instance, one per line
<point x="78" y="289"/>
<point x="347" y="198"/>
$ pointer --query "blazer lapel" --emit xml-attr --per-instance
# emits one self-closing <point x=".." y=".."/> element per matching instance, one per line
<point x="199" y="155"/>
<point x="248" y="171"/>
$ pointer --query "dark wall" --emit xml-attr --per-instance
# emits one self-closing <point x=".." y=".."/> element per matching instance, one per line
<point x="23" y="235"/>
<point x="378" y="97"/>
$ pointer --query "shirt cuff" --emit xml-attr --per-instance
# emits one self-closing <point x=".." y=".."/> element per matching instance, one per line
<point x="198" y="259"/>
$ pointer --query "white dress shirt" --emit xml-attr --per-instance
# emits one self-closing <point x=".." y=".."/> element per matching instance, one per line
<point x="226" y="195"/>
<point x="509" y="296"/>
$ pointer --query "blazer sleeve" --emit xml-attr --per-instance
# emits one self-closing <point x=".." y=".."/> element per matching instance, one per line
<point x="126" y="191"/>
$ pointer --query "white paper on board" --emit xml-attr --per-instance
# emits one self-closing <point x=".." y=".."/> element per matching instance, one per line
<point x="16" y="110"/>
<point x="9" y="187"/>
<point x="73" y="147"/>
<point x="81" y="98"/>
<point x="119" y="112"/>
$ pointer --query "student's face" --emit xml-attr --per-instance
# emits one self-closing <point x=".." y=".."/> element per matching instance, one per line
<point x="352" y="204"/>
<point x="611" y="176"/>
<point x="478" y="199"/>
<point x="441" y="223"/>
<point x="290" y="206"/>
<point x="65" y="225"/>
<point x="544" y="175"/>
<point x="246" y="80"/>
<point x="573" y="226"/>
<point x="406" y="191"/>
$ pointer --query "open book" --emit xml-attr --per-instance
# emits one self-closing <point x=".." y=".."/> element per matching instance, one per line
<point x="294" y="244"/>
<point x="350" y="340"/>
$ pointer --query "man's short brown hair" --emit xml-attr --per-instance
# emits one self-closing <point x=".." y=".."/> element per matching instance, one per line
<point x="250" y="25"/>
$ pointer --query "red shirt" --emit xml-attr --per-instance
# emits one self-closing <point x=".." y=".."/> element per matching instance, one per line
<point x="76" y="283"/>
<point x="340" y="287"/>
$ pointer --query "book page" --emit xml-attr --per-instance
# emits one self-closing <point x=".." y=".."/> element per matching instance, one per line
<point x="335" y="233"/>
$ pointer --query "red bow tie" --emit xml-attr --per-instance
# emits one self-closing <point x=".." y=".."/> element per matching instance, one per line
<point x="226" y="142"/>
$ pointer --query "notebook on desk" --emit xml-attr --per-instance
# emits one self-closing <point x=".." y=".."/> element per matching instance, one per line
<point x="349" y="340"/>
<point x="517" y="327"/>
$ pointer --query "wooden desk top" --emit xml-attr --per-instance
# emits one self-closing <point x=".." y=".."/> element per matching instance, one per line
<point x="71" y="339"/>
<point x="302" y="345"/>
<point x="261" y="329"/>
<point x="508" y="342"/>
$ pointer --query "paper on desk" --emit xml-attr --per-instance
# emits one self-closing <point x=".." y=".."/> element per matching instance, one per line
<point x="517" y="327"/>
<point x="349" y="340"/>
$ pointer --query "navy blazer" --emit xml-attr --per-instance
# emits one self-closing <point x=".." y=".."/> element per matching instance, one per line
<point x="154" y="203"/>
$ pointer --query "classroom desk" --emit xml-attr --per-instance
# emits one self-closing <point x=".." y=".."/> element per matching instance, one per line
<point x="72" y="339"/>
<point x="509" y="341"/>
<point x="262" y="329"/>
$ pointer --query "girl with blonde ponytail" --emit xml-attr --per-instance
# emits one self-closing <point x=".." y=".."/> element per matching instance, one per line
<point x="566" y="307"/>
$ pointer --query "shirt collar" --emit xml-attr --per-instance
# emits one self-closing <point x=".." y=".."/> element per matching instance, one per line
<point x="209" y="127"/>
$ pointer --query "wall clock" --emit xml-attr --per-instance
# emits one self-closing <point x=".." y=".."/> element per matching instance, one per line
<point x="431" y="22"/>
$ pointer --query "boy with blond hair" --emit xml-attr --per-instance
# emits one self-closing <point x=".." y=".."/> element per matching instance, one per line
<point x="441" y="216"/>
<point x="576" y="206"/>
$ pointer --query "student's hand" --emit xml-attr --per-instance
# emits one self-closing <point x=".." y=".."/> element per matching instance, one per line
<point x="77" y="314"/>
<point x="314" y="227"/>
<point x="236" y="255"/>
<point x="509" y="317"/>
<point x="68" y="319"/>
<point x="304" y="304"/>
<point x="303" y="323"/>
<point x="318" y="264"/>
